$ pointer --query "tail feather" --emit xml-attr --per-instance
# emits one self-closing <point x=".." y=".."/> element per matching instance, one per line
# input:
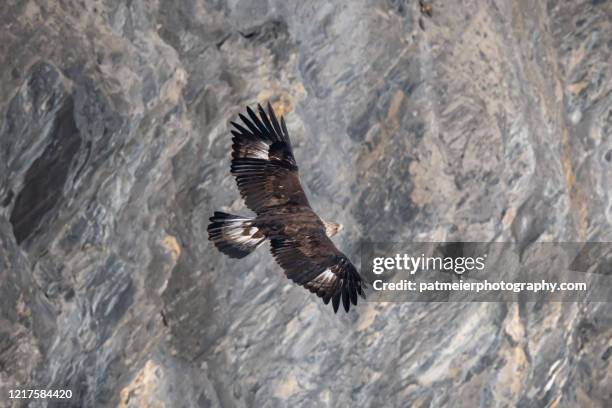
<point x="233" y="235"/>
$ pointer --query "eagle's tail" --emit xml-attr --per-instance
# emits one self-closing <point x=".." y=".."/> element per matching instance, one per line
<point x="234" y="235"/>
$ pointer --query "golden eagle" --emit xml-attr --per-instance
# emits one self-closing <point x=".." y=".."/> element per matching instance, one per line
<point x="267" y="177"/>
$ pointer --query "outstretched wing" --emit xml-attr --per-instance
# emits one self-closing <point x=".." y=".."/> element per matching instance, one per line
<point x="263" y="162"/>
<point x="315" y="263"/>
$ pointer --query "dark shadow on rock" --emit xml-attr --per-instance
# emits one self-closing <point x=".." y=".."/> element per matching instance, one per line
<point x="45" y="179"/>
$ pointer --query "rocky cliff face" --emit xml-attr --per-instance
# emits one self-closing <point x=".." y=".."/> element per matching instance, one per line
<point x="486" y="121"/>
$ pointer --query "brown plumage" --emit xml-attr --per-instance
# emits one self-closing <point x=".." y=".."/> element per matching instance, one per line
<point x="267" y="177"/>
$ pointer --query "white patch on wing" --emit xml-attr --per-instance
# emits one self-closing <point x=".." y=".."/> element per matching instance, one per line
<point x="237" y="233"/>
<point x="257" y="150"/>
<point x="326" y="275"/>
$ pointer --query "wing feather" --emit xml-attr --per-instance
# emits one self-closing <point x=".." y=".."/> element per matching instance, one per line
<point x="275" y="125"/>
<point x="241" y="131"/>
<point x="259" y="125"/>
<point x="284" y="127"/>
<point x="267" y="124"/>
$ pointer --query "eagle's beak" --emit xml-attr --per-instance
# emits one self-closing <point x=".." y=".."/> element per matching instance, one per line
<point x="332" y="228"/>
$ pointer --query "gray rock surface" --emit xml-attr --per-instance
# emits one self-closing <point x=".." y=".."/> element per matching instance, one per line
<point x="491" y="120"/>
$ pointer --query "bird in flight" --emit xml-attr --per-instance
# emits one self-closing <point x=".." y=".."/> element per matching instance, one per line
<point x="267" y="177"/>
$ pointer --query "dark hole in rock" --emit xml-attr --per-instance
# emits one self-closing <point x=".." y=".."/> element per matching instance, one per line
<point x="45" y="179"/>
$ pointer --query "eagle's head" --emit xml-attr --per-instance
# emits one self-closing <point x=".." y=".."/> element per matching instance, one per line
<point x="332" y="228"/>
